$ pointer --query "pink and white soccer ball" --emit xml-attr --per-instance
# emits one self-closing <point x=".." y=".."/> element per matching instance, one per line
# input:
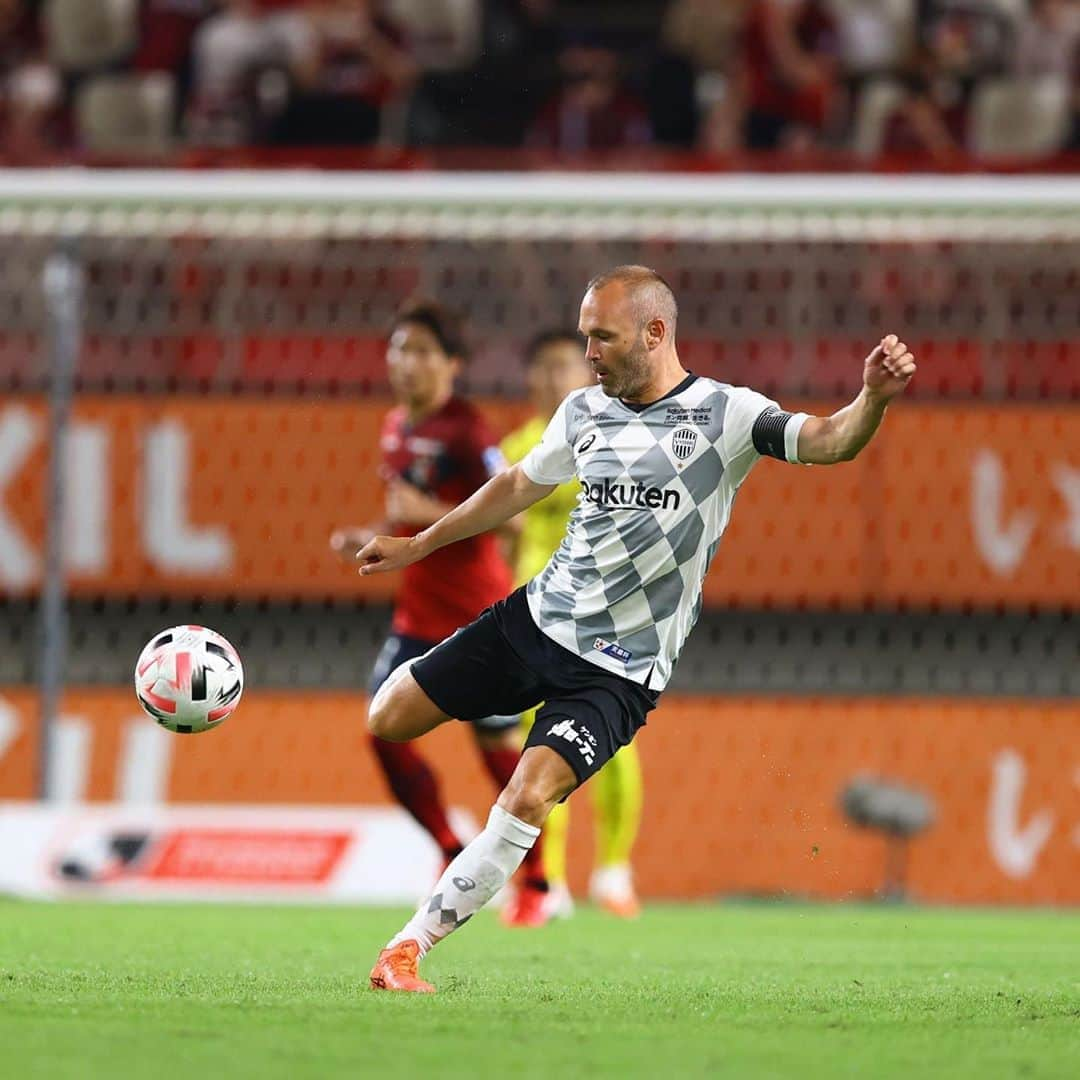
<point x="189" y="679"/>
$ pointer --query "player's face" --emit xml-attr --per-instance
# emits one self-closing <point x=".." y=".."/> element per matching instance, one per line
<point x="420" y="372"/>
<point x="555" y="371"/>
<point x="615" y="346"/>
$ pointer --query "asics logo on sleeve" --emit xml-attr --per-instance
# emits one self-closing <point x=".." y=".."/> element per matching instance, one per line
<point x="586" y="443"/>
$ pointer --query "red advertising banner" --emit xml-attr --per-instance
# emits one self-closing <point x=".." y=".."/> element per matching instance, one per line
<point x="742" y="795"/>
<point x="238" y="856"/>
<point x="950" y="504"/>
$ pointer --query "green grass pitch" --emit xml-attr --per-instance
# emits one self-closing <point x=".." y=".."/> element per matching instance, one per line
<point x="165" y="991"/>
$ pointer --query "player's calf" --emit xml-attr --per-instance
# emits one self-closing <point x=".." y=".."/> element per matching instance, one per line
<point x="541" y="779"/>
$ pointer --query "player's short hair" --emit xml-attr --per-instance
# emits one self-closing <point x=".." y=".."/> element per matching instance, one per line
<point x="444" y="322"/>
<point x="651" y="295"/>
<point x="541" y="341"/>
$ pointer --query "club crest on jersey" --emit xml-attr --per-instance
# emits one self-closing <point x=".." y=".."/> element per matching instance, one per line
<point x="683" y="441"/>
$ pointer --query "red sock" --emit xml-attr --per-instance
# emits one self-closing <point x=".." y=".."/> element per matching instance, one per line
<point x="501" y="764"/>
<point x="416" y="788"/>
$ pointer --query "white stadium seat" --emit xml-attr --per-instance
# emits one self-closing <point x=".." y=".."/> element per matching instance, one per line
<point x="126" y="114"/>
<point x="82" y="35"/>
<point x="876" y="103"/>
<point x="1019" y="118"/>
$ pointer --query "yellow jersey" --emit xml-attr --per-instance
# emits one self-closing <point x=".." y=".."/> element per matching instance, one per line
<point x="545" y="521"/>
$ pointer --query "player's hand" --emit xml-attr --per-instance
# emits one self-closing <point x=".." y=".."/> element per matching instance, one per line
<point x="889" y="368"/>
<point x="385" y="553"/>
<point x="408" y="505"/>
<point x="346" y="543"/>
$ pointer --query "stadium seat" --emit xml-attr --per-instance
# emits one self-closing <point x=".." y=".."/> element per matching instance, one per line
<point x="1010" y="9"/>
<point x="875" y="105"/>
<point x="875" y="35"/>
<point x="84" y="35"/>
<point x="126" y="114"/>
<point x="1012" y="118"/>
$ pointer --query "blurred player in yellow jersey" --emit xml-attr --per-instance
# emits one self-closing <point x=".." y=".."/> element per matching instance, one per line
<point x="555" y="366"/>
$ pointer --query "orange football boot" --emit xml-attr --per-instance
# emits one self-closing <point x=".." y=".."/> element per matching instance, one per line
<point x="623" y="907"/>
<point x="396" y="969"/>
<point x="612" y="890"/>
<point x="527" y="907"/>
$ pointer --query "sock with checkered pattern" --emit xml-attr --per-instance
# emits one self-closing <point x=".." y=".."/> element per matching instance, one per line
<point x="471" y="880"/>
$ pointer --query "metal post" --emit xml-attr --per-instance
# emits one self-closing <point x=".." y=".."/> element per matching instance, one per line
<point x="62" y="282"/>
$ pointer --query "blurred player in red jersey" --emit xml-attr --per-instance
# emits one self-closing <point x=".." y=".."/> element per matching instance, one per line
<point x="436" y="451"/>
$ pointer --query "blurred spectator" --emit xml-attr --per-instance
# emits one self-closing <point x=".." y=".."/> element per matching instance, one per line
<point x="932" y="117"/>
<point x="704" y="31"/>
<point x="1047" y="41"/>
<point x="591" y="110"/>
<point x="972" y="36"/>
<point x="517" y="66"/>
<point x="30" y="89"/>
<point x="1046" y="63"/>
<point x="720" y="74"/>
<point x="443" y="35"/>
<point x="789" y="73"/>
<point x="352" y="67"/>
<point x="166" y="33"/>
<point x="230" y="52"/>
<point x="960" y="42"/>
<point x="875" y="35"/>
<point x="706" y="34"/>
<point x="317" y="74"/>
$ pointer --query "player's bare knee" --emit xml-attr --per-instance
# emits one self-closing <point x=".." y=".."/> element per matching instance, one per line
<point x="383" y="714"/>
<point x="377" y="719"/>
<point x="527" y="802"/>
<point x="532" y="792"/>
<point x="401" y="711"/>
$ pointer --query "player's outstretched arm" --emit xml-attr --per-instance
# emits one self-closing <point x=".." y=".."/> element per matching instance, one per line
<point x="826" y="440"/>
<point x="501" y="498"/>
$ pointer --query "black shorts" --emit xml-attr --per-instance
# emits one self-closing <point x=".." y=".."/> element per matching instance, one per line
<point x="503" y="663"/>
<point x="399" y="649"/>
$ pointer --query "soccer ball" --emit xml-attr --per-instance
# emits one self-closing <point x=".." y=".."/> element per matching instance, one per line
<point x="188" y="679"/>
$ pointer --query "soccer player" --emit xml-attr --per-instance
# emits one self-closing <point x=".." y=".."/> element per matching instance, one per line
<point x="555" y="366"/>
<point x="660" y="454"/>
<point x="437" y="450"/>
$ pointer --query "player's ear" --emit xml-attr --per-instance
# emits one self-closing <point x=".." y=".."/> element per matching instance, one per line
<point x="655" y="332"/>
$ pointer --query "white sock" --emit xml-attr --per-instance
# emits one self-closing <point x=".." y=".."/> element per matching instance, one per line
<point x="614" y="882"/>
<point x="471" y="880"/>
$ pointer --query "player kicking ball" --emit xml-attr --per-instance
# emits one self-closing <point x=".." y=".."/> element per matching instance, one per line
<point x="555" y="366"/>
<point x="660" y="454"/>
<point x="436" y="451"/>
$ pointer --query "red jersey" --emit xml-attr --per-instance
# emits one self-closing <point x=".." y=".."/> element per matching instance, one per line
<point x="447" y="455"/>
<point x="815" y="31"/>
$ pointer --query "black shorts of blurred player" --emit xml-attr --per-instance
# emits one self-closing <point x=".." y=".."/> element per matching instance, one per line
<point x="502" y="663"/>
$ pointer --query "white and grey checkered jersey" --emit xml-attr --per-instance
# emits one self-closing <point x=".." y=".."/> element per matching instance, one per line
<point x="623" y="590"/>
